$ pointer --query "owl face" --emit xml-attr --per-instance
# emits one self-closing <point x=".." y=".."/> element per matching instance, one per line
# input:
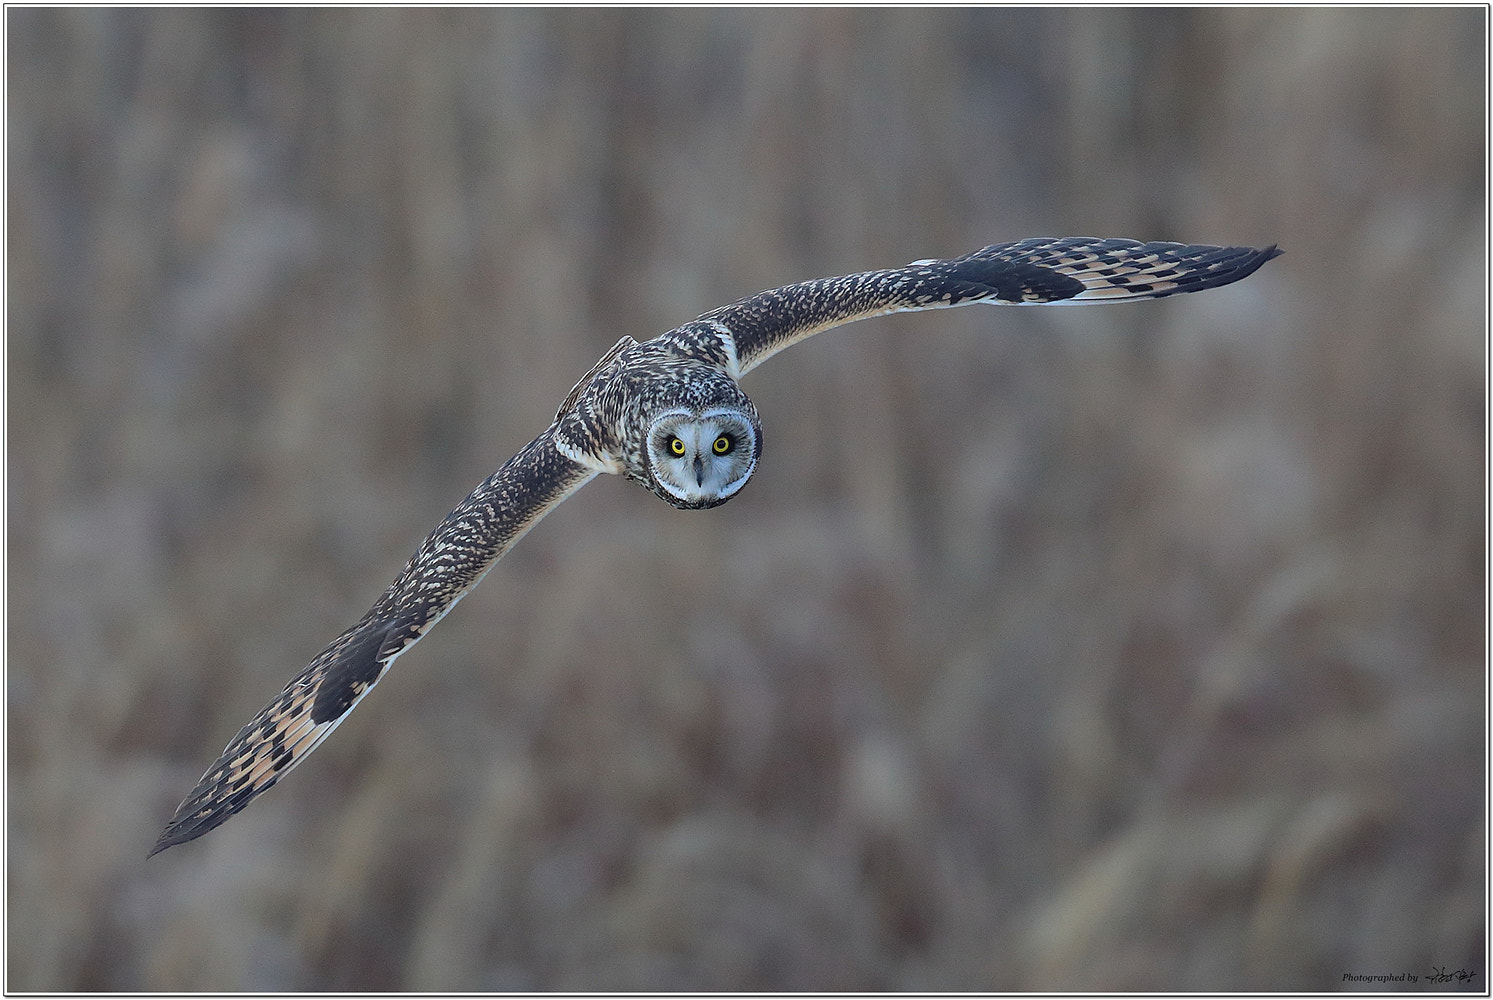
<point x="699" y="459"/>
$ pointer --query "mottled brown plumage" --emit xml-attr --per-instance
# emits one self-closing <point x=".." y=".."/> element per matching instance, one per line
<point x="640" y="406"/>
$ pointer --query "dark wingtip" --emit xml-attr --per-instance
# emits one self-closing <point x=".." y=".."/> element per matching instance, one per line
<point x="164" y="841"/>
<point x="176" y="833"/>
<point x="192" y="820"/>
<point x="1250" y="264"/>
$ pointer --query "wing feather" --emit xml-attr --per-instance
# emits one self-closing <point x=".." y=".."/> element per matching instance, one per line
<point x="448" y="564"/>
<point x="1028" y="272"/>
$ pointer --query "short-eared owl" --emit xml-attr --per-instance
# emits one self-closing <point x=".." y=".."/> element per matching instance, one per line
<point x="670" y="414"/>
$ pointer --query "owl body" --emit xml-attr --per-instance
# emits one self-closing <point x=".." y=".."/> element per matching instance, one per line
<point x="667" y="414"/>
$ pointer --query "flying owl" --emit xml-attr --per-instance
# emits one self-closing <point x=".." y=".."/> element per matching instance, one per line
<point x="669" y="414"/>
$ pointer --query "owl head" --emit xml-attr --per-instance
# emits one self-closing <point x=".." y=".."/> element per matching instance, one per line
<point x="698" y="458"/>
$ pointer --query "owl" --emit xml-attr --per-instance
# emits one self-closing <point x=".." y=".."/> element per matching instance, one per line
<point x="670" y="414"/>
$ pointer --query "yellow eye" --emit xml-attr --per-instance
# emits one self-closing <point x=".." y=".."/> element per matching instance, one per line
<point x="722" y="445"/>
<point x="676" y="446"/>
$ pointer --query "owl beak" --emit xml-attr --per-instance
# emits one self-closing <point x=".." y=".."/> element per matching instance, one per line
<point x="699" y="471"/>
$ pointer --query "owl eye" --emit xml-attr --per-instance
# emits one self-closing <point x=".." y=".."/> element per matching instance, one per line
<point x="676" y="446"/>
<point x="723" y="445"/>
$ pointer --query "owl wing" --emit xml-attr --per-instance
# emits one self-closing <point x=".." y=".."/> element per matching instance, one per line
<point x="1028" y="272"/>
<point x="450" y="562"/>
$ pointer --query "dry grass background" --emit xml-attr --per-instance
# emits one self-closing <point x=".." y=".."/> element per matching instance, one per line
<point x="1059" y="649"/>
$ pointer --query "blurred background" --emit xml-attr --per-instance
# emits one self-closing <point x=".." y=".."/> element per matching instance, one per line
<point x="1060" y="649"/>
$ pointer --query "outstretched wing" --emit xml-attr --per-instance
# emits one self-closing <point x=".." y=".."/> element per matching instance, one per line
<point x="450" y="562"/>
<point x="1029" y="272"/>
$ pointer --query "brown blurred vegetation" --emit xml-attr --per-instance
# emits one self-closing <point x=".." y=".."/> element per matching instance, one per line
<point x="1131" y="648"/>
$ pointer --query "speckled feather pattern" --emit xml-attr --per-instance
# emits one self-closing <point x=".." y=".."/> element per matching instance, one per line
<point x="449" y="563"/>
<point x="601" y="427"/>
<point x="1029" y="272"/>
